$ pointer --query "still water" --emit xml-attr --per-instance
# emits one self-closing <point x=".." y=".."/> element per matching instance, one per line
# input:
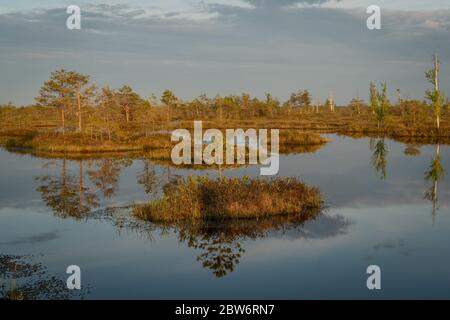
<point x="388" y="204"/>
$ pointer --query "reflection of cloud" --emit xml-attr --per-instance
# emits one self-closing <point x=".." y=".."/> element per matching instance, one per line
<point x="404" y="193"/>
<point x="43" y="237"/>
<point x="323" y="227"/>
<point x="399" y="245"/>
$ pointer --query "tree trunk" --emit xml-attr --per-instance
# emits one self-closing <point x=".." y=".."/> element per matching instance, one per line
<point x="436" y="72"/>
<point x="108" y="128"/>
<point x="81" y="187"/>
<point x="63" y="120"/>
<point x="79" y="108"/>
<point x="436" y="86"/>
<point x="168" y="114"/>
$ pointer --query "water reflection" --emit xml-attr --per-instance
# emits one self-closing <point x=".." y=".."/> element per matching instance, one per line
<point x="23" y="279"/>
<point x="148" y="178"/>
<point x="434" y="174"/>
<point x="412" y="150"/>
<point x="379" y="154"/>
<point x="105" y="174"/>
<point x="391" y="215"/>
<point x="76" y="193"/>
<point x="220" y="245"/>
<point x="66" y="194"/>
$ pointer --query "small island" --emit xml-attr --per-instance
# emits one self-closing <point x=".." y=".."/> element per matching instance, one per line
<point x="205" y="199"/>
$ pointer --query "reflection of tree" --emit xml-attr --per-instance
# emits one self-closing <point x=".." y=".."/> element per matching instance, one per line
<point x="220" y="243"/>
<point x="20" y="279"/>
<point x="434" y="173"/>
<point x="379" y="154"/>
<point x="412" y="150"/>
<point x="105" y="174"/>
<point x="148" y="178"/>
<point x="67" y="195"/>
<point x="220" y="248"/>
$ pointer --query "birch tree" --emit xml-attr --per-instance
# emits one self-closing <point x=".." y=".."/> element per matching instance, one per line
<point x="382" y="106"/>
<point x="434" y="95"/>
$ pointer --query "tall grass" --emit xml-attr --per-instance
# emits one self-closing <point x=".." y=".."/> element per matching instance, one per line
<point x="230" y="198"/>
<point x="155" y="144"/>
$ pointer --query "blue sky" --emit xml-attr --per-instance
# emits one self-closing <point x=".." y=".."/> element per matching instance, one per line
<point x="225" y="47"/>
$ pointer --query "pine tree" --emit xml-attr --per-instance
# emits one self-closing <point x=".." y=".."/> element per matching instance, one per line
<point x="169" y="100"/>
<point x="64" y="90"/>
<point x="128" y="101"/>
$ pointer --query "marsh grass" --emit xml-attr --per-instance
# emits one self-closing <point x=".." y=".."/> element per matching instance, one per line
<point x="299" y="138"/>
<point x="157" y="145"/>
<point x="203" y="198"/>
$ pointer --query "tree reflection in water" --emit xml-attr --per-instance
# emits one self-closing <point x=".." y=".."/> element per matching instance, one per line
<point x="221" y="243"/>
<point x="148" y="178"/>
<point x="105" y="174"/>
<point x="434" y="174"/>
<point x="66" y="194"/>
<point x="22" y="279"/>
<point x="379" y="156"/>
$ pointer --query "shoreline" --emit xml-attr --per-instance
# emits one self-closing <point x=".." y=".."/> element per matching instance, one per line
<point x="158" y="146"/>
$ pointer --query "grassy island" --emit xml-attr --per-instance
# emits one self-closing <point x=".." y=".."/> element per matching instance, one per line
<point x="202" y="198"/>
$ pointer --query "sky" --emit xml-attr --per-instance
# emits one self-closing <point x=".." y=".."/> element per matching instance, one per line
<point x="226" y="47"/>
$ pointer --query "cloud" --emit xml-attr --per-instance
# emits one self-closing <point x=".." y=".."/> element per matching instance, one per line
<point x="285" y="3"/>
<point x="212" y="47"/>
<point x="42" y="237"/>
<point x="116" y="11"/>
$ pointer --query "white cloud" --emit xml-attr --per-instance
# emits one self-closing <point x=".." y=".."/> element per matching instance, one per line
<point x="215" y="48"/>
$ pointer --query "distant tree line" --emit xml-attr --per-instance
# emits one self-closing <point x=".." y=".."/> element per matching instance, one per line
<point x="69" y="102"/>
